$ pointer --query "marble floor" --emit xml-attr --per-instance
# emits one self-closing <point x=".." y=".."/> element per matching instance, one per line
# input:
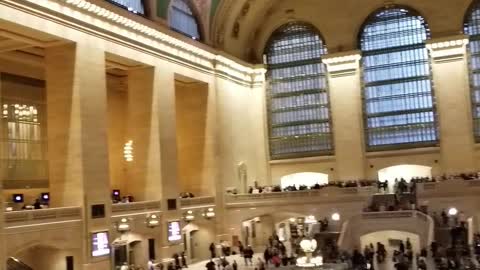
<point x="387" y="265"/>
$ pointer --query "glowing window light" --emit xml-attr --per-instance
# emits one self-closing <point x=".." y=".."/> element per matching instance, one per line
<point x="128" y="151"/>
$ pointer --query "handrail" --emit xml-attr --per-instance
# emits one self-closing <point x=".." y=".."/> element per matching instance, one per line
<point x="431" y="226"/>
<point x="343" y="233"/>
<point x="388" y="214"/>
<point x="196" y="201"/>
<point x="326" y="191"/>
<point x="136" y="206"/>
<point x="43" y="214"/>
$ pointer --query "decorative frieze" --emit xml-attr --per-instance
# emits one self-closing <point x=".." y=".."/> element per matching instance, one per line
<point x="342" y="64"/>
<point x="448" y="49"/>
<point x="97" y="18"/>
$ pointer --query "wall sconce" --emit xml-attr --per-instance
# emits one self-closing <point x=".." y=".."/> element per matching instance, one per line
<point x="128" y="151"/>
<point x="310" y="220"/>
<point x="335" y="216"/>
<point x="153" y="221"/>
<point x="452" y="211"/>
<point x="209" y="213"/>
<point x="123" y="225"/>
<point x="189" y="216"/>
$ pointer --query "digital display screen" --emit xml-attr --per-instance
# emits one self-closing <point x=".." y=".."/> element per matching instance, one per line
<point x="174" y="231"/>
<point x="100" y="244"/>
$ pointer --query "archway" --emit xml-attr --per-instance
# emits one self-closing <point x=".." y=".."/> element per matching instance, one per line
<point x="44" y="257"/>
<point x="304" y="178"/>
<point x="404" y="171"/>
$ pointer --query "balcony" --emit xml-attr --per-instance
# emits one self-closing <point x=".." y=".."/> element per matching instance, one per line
<point x="448" y="188"/>
<point x="198" y="202"/>
<point x="324" y="195"/>
<point x="52" y="217"/>
<point x="135" y="208"/>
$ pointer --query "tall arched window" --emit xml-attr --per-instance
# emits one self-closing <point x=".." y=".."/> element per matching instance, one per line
<point x="182" y="19"/>
<point x="472" y="29"/>
<point x="399" y="105"/>
<point x="135" y="6"/>
<point x="298" y="103"/>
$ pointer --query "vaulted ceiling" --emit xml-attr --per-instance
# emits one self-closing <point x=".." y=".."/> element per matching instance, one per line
<point x="243" y="27"/>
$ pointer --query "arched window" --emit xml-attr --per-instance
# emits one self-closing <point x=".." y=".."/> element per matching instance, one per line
<point x="182" y="19"/>
<point x="399" y="106"/>
<point x="298" y="103"/>
<point x="472" y="29"/>
<point x="135" y="6"/>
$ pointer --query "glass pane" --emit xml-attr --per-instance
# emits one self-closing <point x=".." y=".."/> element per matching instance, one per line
<point x="135" y="6"/>
<point x="182" y="19"/>
<point x="299" y="115"/>
<point x="398" y="95"/>
<point x="472" y="28"/>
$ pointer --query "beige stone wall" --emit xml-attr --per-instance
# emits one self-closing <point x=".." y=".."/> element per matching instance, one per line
<point x="117" y="97"/>
<point x="195" y="127"/>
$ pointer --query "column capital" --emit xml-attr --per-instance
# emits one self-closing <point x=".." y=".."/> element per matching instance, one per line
<point x="342" y="64"/>
<point x="448" y="49"/>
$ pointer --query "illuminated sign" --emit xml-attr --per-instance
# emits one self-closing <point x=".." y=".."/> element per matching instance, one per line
<point x="100" y="244"/>
<point x="174" y="231"/>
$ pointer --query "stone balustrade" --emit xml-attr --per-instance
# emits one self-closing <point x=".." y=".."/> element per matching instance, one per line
<point x="135" y="208"/>
<point x="326" y="194"/>
<point x="43" y="216"/>
<point x="195" y="202"/>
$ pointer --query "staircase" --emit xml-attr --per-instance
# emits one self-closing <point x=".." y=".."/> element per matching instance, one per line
<point x="408" y="221"/>
<point x="15" y="264"/>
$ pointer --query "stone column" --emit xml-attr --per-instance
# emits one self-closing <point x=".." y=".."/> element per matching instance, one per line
<point x="144" y="174"/>
<point x="164" y="85"/>
<point x="347" y="114"/>
<point x="77" y="136"/>
<point x="452" y="92"/>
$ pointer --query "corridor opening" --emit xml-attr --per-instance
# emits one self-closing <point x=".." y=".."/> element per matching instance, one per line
<point x="404" y="171"/>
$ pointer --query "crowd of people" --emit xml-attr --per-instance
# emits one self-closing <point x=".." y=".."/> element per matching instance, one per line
<point x="255" y="189"/>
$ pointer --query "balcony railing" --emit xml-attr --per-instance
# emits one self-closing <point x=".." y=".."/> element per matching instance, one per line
<point x="135" y="207"/>
<point x="451" y="187"/>
<point x="43" y="215"/>
<point x="197" y="202"/>
<point x="327" y="193"/>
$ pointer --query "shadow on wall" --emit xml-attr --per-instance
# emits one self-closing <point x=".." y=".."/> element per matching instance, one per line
<point x="41" y="257"/>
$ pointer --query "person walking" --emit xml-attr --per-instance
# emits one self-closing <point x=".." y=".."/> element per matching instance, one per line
<point x="248" y="255"/>
<point x="184" y="260"/>
<point x="212" y="250"/>
<point x="210" y="265"/>
<point x="235" y="265"/>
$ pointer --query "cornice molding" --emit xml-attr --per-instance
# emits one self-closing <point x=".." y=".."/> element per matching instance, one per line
<point x="342" y="64"/>
<point x="448" y="49"/>
<point x="95" y="16"/>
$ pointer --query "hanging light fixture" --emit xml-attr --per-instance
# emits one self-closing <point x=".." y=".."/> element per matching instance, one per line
<point x="189" y="215"/>
<point x="123" y="225"/>
<point x="209" y="213"/>
<point x="128" y="151"/>
<point x="153" y="221"/>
